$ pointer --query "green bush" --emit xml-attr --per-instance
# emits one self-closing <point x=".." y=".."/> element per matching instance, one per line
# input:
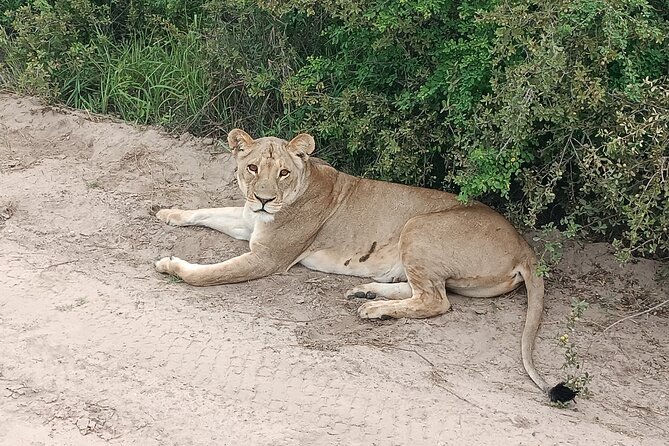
<point x="249" y="57"/>
<point x="49" y="42"/>
<point x="6" y="6"/>
<point x="392" y="82"/>
<point x="579" y="96"/>
<point x="553" y="111"/>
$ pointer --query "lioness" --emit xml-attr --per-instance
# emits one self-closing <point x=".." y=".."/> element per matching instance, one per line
<point x="415" y="243"/>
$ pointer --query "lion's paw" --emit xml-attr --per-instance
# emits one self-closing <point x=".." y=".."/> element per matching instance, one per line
<point x="164" y="265"/>
<point x="170" y="216"/>
<point x="375" y="310"/>
<point x="360" y="293"/>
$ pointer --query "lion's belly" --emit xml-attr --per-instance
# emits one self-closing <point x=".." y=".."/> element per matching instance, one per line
<point x="490" y="286"/>
<point x="382" y="265"/>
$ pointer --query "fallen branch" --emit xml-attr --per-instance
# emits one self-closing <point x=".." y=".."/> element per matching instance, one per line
<point x="411" y="350"/>
<point x="439" y="377"/>
<point x="637" y="314"/>
<point x="59" y="264"/>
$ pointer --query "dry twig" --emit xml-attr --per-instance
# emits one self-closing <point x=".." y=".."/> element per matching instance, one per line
<point x="637" y="314"/>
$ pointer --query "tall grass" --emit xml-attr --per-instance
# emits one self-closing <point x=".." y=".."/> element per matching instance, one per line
<point x="189" y="65"/>
<point x="145" y="80"/>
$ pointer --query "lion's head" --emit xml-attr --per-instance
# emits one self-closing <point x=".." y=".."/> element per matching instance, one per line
<point x="270" y="171"/>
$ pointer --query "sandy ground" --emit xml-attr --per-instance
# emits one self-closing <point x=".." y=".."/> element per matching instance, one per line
<point x="95" y="347"/>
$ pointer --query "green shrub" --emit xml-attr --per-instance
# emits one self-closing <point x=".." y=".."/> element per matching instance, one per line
<point x="391" y="82"/>
<point x="555" y="111"/>
<point x="49" y="42"/>
<point x="579" y="98"/>
<point x="6" y="7"/>
<point x="249" y="56"/>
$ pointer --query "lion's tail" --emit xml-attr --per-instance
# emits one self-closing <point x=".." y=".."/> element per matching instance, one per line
<point x="535" y="307"/>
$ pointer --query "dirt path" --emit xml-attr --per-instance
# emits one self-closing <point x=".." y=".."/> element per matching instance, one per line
<point x="95" y="347"/>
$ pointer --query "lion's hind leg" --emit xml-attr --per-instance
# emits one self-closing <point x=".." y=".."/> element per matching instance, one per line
<point x="392" y="291"/>
<point x="426" y="274"/>
<point x="428" y="299"/>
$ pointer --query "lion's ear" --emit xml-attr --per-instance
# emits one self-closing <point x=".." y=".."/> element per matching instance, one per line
<point x="238" y="141"/>
<point x="302" y="145"/>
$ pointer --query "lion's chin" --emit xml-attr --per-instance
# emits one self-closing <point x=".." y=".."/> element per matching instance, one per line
<point x="263" y="216"/>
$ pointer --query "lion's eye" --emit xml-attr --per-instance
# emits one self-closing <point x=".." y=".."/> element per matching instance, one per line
<point x="284" y="172"/>
<point x="252" y="168"/>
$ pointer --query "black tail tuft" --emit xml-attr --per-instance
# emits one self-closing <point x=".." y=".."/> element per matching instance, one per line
<point x="561" y="393"/>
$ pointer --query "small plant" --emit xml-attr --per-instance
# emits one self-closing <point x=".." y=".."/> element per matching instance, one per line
<point x="577" y="379"/>
<point x="551" y="239"/>
<point x="79" y="301"/>
<point x="95" y="184"/>
<point x="662" y="273"/>
<point x="174" y="279"/>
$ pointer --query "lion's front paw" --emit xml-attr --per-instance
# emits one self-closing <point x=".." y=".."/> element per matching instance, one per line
<point x="376" y="310"/>
<point x="171" y="216"/>
<point x="165" y="265"/>
<point x="360" y="293"/>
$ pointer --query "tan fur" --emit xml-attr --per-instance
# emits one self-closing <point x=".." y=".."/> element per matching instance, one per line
<point x="333" y="222"/>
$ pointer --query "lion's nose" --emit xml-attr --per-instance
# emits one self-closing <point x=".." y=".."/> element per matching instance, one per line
<point x="264" y="201"/>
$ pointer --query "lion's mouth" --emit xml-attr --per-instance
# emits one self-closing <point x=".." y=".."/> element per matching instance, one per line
<point x="265" y="209"/>
<point x="264" y="215"/>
